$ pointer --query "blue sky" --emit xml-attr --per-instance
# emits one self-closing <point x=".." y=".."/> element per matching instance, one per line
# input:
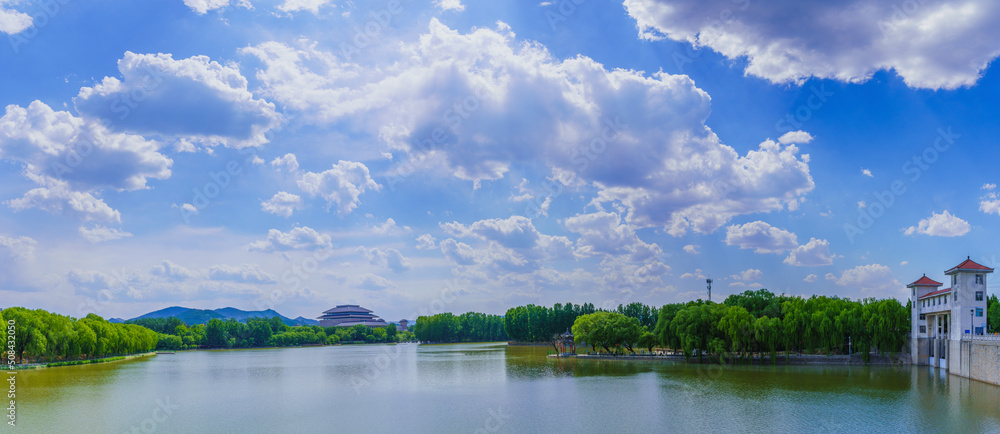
<point x="418" y="157"/>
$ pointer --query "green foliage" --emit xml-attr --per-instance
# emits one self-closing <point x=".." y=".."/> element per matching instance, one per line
<point x="817" y="324"/>
<point x="993" y="314"/>
<point x="608" y="330"/>
<point x="42" y="336"/>
<point x="468" y="327"/>
<point x="538" y="323"/>
<point x="159" y="325"/>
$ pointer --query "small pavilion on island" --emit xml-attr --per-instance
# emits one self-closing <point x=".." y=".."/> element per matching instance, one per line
<point x="566" y="344"/>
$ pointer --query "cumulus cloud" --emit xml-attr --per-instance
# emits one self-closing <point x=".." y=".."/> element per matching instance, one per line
<point x="246" y="273"/>
<point x="789" y="42"/>
<point x="302" y="5"/>
<point x="747" y="275"/>
<point x="873" y="277"/>
<point x="762" y="237"/>
<point x="56" y="197"/>
<point x="81" y="153"/>
<point x="172" y="271"/>
<point x="282" y="203"/>
<point x="450" y="5"/>
<point x="98" y="234"/>
<point x="13" y="22"/>
<point x="195" y="98"/>
<point x="390" y="258"/>
<point x="389" y="227"/>
<point x="341" y="185"/>
<point x="201" y="7"/>
<point x="287" y="162"/>
<point x="458" y="252"/>
<point x="299" y="238"/>
<point x="607" y="233"/>
<point x="812" y="254"/>
<point x="940" y="225"/>
<point x="990" y="203"/>
<point x="692" y="249"/>
<point x="426" y="242"/>
<point x="696" y="275"/>
<point x="669" y="168"/>
<point x="799" y="137"/>
<point x="867" y="173"/>
<point x="370" y="282"/>
<point x="15" y="254"/>
<point x="811" y="278"/>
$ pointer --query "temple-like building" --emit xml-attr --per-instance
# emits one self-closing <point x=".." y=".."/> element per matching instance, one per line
<point x="348" y="315"/>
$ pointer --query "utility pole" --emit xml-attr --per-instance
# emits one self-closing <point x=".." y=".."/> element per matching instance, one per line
<point x="709" y="282"/>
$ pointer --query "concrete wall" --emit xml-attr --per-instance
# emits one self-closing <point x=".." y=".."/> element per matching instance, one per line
<point x="978" y="360"/>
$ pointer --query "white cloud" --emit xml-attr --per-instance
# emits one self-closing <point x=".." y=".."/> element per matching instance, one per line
<point x="862" y="204"/>
<point x="990" y="203"/>
<point x="749" y="274"/>
<point x="867" y="278"/>
<point x="426" y="242"/>
<point x="99" y="233"/>
<point x="697" y="274"/>
<point x="798" y="137"/>
<point x="340" y="185"/>
<point x="692" y="249"/>
<point x="196" y="99"/>
<point x="171" y="271"/>
<point x="607" y="233"/>
<point x="288" y="162"/>
<point x="867" y="173"/>
<point x="391" y="228"/>
<point x="789" y="42"/>
<point x="390" y="258"/>
<point x="810" y="278"/>
<point x="761" y="237"/>
<point x="246" y="273"/>
<point x="299" y="238"/>
<point x="82" y="154"/>
<point x="458" y="252"/>
<point x="302" y="5"/>
<point x="13" y="22"/>
<point x="668" y="167"/>
<point x="371" y="282"/>
<point x="904" y="263"/>
<point x="203" y="6"/>
<point x="56" y="197"/>
<point x="450" y="5"/>
<point x="812" y="254"/>
<point x="989" y="186"/>
<point x="16" y="253"/>
<point x="282" y="203"/>
<point x="940" y="225"/>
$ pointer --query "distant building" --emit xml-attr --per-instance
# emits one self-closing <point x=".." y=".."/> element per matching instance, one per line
<point x="402" y="326"/>
<point x="941" y="318"/>
<point x="349" y="315"/>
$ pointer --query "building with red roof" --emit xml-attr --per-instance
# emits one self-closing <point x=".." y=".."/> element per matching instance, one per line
<point x="941" y="318"/>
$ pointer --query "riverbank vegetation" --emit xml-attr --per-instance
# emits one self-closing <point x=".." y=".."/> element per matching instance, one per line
<point x="467" y="327"/>
<point x="44" y="337"/>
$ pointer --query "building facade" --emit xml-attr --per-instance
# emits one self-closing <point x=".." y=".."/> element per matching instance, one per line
<point x="349" y="315"/>
<point x="939" y="318"/>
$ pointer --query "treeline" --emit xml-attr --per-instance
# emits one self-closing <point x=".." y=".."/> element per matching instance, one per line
<point x="760" y="322"/>
<point x="42" y="336"/>
<point x="540" y="324"/>
<point x="260" y="332"/>
<point x="467" y="327"/>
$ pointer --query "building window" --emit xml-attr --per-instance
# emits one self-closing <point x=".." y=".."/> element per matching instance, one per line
<point x="979" y="295"/>
<point x="954" y="280"/>
<point x="979" y="311"/>
<point x="923" y="317"/>
<point x="979" y="331"/>
<point x="923" y="330"/>
<point x="979" y="279"/>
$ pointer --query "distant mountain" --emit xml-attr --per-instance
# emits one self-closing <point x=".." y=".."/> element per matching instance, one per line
<point x="202" y="316"/>
<point x="116" y="320"/>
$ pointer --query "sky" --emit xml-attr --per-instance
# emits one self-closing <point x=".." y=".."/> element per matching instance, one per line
<point x="421" y="157"/>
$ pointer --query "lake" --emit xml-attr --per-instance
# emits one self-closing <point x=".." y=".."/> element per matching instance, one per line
<point x="488" y="388"/>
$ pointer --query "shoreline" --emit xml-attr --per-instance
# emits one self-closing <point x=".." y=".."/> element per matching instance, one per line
<point x="794" y="360"/>
<point x="65" y="363"/>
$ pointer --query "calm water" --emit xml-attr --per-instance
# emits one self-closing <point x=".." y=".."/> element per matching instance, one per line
<point x="487" y="388"/>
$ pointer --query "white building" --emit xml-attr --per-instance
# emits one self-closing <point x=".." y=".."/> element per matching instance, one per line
<point x="941" y="317"/>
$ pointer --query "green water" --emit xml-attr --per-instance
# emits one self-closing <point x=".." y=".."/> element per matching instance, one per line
<point x="487" y="388"/>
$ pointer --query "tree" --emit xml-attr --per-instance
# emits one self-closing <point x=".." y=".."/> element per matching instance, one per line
<point x="215" y="334"/>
